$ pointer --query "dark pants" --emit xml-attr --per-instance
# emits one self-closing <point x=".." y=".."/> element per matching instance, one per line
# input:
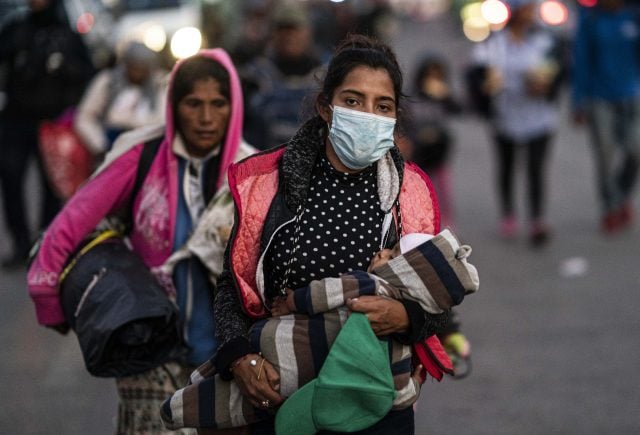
<point x="616" y="143"/>
<point x="18" y="144"/>
<point x="536" y="149"/>
<point x="394" y="423"/>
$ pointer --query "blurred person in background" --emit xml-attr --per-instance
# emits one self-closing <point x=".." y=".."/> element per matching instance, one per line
<point x="331" y="23"/>
<point x="201" y="136"/>
<point x="253" y="33"/>
<point x="378" y="20"/>
<point x="429" y="133"/>
<point x="282" y="77"/>
<point x="47" y="69"/>
<point x="127" y="96"/>
<point x="606" y="97"/>
<point x="430" y="147"/>
<point x="521" y="78"/>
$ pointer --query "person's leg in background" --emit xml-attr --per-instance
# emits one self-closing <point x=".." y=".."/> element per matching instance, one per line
<point x="629" y="131"/>
<point x="51" y="203"/>
<point x="537" y="151"/>
<point x="602" y="128"/>
<point x="18" y="141"/>
<point x="505" y="158"/>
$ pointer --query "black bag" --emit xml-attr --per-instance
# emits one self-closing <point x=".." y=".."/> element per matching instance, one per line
<point x="124" y="320"/>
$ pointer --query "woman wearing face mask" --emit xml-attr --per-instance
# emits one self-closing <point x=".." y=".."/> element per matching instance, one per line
<point x="321" y="205"/>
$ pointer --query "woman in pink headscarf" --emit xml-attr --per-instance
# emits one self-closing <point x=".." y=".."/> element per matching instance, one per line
<point x="202" y="135"/>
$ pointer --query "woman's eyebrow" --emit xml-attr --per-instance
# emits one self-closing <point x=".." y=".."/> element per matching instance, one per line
<point x="352" y="91"/>
<point x="362" y="95"/>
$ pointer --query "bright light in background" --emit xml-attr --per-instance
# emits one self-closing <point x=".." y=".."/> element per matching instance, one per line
<point x="553" y="12"/>
<point x="154" y="37"/>
<point x="588" y="3"/>
<point x="186" y="42"/>
<point x="498" y="27"/>
<point x="474" y="26"/>
<point x="85" y="22"/>
<point x="476" y="29"/>
<point x="471" y="10"/>
<point x="494" y="11"/>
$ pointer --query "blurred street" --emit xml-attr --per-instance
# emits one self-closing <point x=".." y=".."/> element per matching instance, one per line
<point x="555" y="332"/>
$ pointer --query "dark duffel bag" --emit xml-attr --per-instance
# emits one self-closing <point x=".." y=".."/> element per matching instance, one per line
<point x="124" y="321"/>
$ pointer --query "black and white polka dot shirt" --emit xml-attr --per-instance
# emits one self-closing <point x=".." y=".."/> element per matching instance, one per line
<point x="339" y="231"/>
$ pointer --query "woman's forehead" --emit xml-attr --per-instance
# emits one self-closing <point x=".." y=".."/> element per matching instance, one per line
<point x="368" y="81"/>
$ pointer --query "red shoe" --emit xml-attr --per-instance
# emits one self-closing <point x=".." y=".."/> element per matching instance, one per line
<point x="626" y="215"/>
<point x="508" y="227"/>
<point x="610" y="222"/>
<point x="540" y="234"/>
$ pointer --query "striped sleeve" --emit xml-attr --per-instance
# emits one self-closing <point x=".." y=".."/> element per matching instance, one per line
<point x="327" y="294"/>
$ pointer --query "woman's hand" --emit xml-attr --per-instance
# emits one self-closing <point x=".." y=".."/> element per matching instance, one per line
<point x="417" y="374"/>
<point x="279" y="307"/>
<point x="387" y="316"/>
<point x="260" y="383"/>
<point x="283" y="305"/>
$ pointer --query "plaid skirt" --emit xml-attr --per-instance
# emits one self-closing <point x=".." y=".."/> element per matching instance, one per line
<point x="140" y="398"/>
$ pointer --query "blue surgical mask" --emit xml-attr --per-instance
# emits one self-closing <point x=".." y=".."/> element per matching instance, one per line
<point x="360" y="138"/>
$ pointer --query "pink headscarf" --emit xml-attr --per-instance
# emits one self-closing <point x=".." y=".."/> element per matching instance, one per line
<point x="234" y="128"/>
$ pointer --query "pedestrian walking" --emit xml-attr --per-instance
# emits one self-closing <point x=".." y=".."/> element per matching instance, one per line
<point x="47" y="69"/>
<point x="201" y="136"/>
<point x="431" y="106"/>
<point x="129" y="95"/>
<point x="522" y="74"/>
<point x="606" y="98"/>
<point x="282" y="77"/>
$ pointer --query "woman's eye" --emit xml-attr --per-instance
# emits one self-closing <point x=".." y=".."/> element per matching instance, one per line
<point x="220" y="103"/>
<point x="351" y="101"/>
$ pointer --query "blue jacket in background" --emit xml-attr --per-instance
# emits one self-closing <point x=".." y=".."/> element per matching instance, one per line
<point x="606" y="56"/>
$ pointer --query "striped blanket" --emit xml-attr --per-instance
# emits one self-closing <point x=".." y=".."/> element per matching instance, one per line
<point x="297" y="344"/>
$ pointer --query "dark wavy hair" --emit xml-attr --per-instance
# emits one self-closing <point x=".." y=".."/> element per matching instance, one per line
<point x="360" y="50"/>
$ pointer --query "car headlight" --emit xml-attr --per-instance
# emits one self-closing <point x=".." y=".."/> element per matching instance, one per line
<point x="186" y="42"/>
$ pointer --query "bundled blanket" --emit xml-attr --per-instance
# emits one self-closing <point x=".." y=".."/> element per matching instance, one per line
<point x="435" y="273"/>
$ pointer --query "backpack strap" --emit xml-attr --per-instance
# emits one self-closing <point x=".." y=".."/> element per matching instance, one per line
<point x="149" y="151"/>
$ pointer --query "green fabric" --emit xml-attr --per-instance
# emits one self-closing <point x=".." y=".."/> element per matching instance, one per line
<point x="353" y="390"/>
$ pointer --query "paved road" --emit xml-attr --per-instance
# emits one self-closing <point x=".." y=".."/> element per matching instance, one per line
<point x="44" y="388"/>
<point x="552" y="354"/>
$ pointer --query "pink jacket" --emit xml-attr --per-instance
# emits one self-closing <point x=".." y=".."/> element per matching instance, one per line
<point x="109" y="191"/>
<point x="254" y="183"/>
